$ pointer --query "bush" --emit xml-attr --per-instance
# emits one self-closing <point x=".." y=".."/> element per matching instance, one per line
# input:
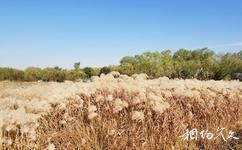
<point x="11" y="74"/>
<point x="91" y="71"/>
<point x="126" y="68"/>
<point x="53" y="74"/>
<point x="75" y="74"/>
<point x="32" y="74"/>
<point x="105" y="70"/>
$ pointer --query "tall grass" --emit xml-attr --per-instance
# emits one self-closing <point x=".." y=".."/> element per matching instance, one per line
<point x="120" y="112"/>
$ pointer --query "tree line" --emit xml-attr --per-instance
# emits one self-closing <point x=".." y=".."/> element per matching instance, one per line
<point x="50" y="73"/>
<point x="202" y="64"/>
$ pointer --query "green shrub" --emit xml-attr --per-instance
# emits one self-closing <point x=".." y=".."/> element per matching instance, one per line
<point x="126" y="68"/>
<point x="32" y="74"/>
<point x="11" y="74"/>
<point x="75" y="74"/>
<point x="105" y="70"/>
<point x="91" y="71"/>
<point x="53" y="74"/>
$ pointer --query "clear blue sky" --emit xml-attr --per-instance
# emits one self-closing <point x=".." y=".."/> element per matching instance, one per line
<point x="100" y="32"/>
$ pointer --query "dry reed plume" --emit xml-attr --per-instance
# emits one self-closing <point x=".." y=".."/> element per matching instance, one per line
<point x="119" y="112"/>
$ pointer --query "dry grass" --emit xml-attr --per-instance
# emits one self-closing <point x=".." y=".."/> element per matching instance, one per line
<point x="169" y="108"/>
<point x="157" y="131"/>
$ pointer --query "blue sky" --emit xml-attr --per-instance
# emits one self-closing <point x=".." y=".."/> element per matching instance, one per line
<point x="100" y="32"/>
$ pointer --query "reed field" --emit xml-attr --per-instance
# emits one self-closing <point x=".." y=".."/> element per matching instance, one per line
<point x="119" y="112"/>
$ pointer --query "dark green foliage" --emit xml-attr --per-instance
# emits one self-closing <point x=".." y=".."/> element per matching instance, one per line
<point x="91" y="72"/>
<point x="77" y="66"/>
<point x="105" y="70"/>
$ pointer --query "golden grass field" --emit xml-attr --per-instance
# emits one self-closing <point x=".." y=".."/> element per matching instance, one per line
<point x="119" y="112"/>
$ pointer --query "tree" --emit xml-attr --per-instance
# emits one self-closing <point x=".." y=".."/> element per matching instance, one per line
<point x="126" y="68"/>
<point x="105" y="70"/>
<point x="77" y="66"/>
<point x="209" y="64"/>
<point x="91" y="71"/>
<point x="128" y="59"/>
<point x="96" y="71"/>
<point x="167" y="63"/>
<point x="239" y="54"/>
<point x="183" y="54"/>
<point x="229" y="64"/>
<point x="201" y="63"/>
<point x="149" y="63"/>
